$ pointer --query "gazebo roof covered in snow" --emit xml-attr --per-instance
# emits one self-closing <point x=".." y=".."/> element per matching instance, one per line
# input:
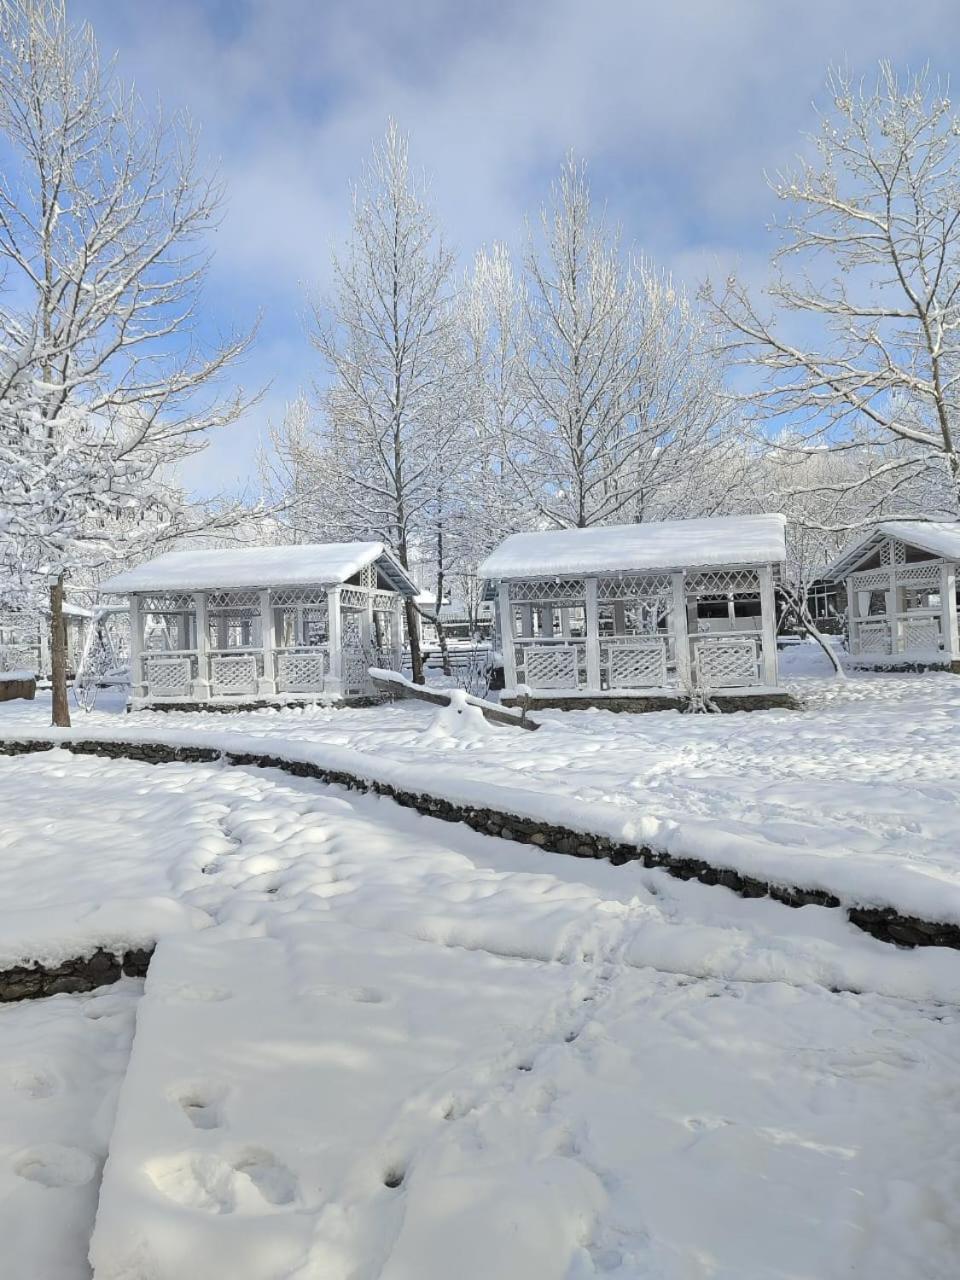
<point x="632" y="548"/>
<point x="323" y="564"/>
<point x="940" y="538"/>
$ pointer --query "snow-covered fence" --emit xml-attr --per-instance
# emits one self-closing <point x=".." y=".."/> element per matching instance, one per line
<point x="394" y="684"/>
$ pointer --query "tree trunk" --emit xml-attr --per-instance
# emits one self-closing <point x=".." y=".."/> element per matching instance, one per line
<point x="58" y="657"/>
<point x="413" y="636"/>
<point x="798" y="602"/>
<point x="438" y="622"/>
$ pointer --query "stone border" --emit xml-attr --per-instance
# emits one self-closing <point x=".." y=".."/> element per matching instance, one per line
<point x="884" y="923"/>
<point x="639" y="703"/>
<point x="80" y="973"/>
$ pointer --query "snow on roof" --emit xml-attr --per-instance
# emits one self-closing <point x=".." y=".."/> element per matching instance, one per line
<point x="667" y="544"/>
<point x="938" y="537"/>
<point x="236" y="568"/>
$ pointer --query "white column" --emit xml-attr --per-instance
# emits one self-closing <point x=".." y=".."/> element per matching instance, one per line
<point x="948" y="611"/>
<point x="853" y="615"/>
<point x="267" y="684"/>
<point x="565" y="623"/>
<point x="891" y="605"/>
<point x="201" y="686"/>
<point x="619" y="618"/>
<point x="333" y="683"/>
<point x="507" y="639"/>
<point x="138" y="688"/>
<point x="546" y="620"/>
<point x="396" y="636"/>
<point x="526" y="620"/>
<point x="680" y="638"/>
<point x="768" y="627"/>
<point x="593" y="635"/>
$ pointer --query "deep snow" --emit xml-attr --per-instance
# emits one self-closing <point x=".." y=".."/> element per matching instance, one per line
<point x="578" y="1069"/>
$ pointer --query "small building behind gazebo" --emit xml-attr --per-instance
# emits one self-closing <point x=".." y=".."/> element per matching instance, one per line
<point x="900" y="581"/>
<point x="638" y="617"/>
<point x="263" y="625"/>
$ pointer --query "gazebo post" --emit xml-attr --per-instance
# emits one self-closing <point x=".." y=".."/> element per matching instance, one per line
<point x="137" y="687"/>
<point x="853" y="616"/>
<point x="593" y="634"/>
<point x="505" y="614"/>
<point x="201" y="686"/>
<point x="681" y="640"/>
<point x="768" y="626"/>
<point x="267" y="683"/>
<point x="335" y="640"/>
<point x="948" y="611"/>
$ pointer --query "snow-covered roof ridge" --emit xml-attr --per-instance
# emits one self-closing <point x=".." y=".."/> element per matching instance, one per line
<point x="237" y="568"/>
<point x="665" y="544"/>
<point x="938" y="537"/>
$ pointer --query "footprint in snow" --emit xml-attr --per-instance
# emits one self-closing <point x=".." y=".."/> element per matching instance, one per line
<point x="188" y="993"/>
<point x="52" y="1165"/>
<point x="356" y="995"/>
<point x="253" y="1181"/>
<point x="202" y="1104"/>
<point x="29" y="1080"/>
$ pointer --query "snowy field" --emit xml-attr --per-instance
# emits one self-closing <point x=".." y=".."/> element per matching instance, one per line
<point x="857" y="795"/>
<point x="377" y="1047"/>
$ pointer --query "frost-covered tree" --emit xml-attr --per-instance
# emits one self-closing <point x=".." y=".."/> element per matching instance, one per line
<point x="863" y="352"/>
<point x="104" y="384"/>
<point x="624" y="398"/>
<point x="389" y="339"/>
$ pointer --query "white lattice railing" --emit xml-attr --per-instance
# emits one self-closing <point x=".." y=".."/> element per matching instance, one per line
<point x="551" y="664"/>
<point x="872" y="637"/>
<point x="168" y="675"/>
<point x="302" y="670"/>
<point x="919" y="634"/>
<point x="726" y="662"/>
<point x="234" y="673"/>
<point x="635" y="663"/>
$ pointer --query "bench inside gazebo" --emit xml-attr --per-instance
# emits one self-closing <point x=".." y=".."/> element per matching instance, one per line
<point x="263" y="625"/>
<point x="901" y="588"/>
<point x="637" y="617"/>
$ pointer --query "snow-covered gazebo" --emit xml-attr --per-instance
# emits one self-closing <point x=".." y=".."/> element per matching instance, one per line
<point x="901" y="585"/>
<point x="636" y="616"/>
<point x="257" y="625"/>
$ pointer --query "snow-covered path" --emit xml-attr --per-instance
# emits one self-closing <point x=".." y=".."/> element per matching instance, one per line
<point x="857" y="795"/>
<point x="578" y="1069"/>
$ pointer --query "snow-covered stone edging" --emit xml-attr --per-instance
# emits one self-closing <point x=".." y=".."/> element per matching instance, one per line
<point x="54" y="950"/>
<point x="906" y="912"/>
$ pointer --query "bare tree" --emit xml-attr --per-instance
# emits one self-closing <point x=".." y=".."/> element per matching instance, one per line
<point x="103" y="210"/>
<point x="624" y="399"/>
<point x="388" y="339"/>
<point x="864" y="355"/>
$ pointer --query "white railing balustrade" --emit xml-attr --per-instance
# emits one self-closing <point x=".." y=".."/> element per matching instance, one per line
<point x="557" y="663"/>
<point x="726" y="661"/>
<point x="234" y="671"/>
<point x="919" y="633"/>
<point x="169" y="674"/>
<point x="873" y="637"/>
<point x="302" y="670"/>
<point x="635" y="662"/>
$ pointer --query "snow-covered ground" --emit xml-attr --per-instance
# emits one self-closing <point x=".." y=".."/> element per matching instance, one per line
<point x="377" y="1047"/>
<point x="857" y="795"/>
<point x="61" y="1063"/>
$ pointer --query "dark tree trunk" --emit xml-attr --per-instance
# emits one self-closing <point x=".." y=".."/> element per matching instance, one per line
<point x="413" y="636"/>
<point x="58" y="657"/>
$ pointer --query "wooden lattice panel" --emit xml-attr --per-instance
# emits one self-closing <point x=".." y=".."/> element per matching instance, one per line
<point x="549" y="591"/>
<point x="302" y="672"/>
<point x="221" y="600"/>
<point x="924" y="574"/>
<point x="721" y="582"/>
<point x="169" y="602"/>
<point x="353" y="598"/>
<point x="870" y="580"/>
<point x="290" y="597"/>
<point x="635" y="586"/>
<point x="726" y="664"/>
<point x="550" y="666"/>
<point x="637" y="666"/>
<point x="168" y="677"/>
<point x="921" y="634"/>
<point x="874" y="637"/>
<point x="233" y="674"/>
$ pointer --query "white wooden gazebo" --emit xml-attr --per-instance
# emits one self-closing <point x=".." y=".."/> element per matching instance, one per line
<point x="261" y="625"/>
<point x="637" y="616"/>
<point x="901" y="586"/>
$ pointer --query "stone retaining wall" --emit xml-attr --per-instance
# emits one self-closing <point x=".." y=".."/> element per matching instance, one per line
<point x="884" y="923"/>
<point x="638" y="703"/>
<point x="81" y="973"/>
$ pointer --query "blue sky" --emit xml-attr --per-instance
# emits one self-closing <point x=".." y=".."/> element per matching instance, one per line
<point x="679" y="107"/>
